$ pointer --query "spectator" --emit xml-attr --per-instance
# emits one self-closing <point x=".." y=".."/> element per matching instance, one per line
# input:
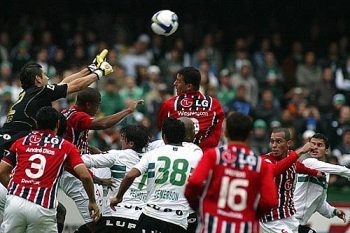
<point x="259" y="142"/>
<point x="322" y="94"/>
<point x="342" y="150"/>
<point x="137" y="55"/>
<point x="131" y="91"/>
<point x="239" y="103"/>
<point x="226" y="92"/>
<point x="245" y="77"/>
<point x="111" y="102"/>
<point x="308" y="74"/>
<point x="268" y="107"/>
<point x="342" y="76"/>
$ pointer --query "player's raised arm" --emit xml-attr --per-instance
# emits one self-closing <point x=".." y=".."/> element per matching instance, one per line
<point x="111" y="120"/>
<point x="87" y="76"/>
<point x="124" y="186"/>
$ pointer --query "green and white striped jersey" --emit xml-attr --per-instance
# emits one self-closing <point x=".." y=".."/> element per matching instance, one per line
<point x="120" y="162"/>
<point x="168" y="168"/>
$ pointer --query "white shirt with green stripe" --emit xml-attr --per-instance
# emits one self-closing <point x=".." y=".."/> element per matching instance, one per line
<point x="168" y="168"/>
<point x="310" y="193"/>
<point x="120" y="162"/>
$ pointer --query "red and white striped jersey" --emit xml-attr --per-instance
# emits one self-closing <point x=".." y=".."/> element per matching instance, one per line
<point x="205" y="112"/>
<point x="285" y="173"/>
<point x="78" y="125"/>
<point x="238" y="181"/>
<point x="37" y="162"/>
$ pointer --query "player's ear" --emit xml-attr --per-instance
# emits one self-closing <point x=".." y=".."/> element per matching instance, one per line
<point x="38" y="79"/>
<point x="189" y="87"/>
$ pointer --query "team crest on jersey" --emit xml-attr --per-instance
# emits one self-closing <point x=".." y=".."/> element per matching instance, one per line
<point x="186" y="102"/>
<point x="228" y="157"/>
<point x="288" y="185"/>
<point x="34" y="139"/>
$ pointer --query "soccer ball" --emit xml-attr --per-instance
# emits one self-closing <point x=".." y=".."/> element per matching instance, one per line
<point x="164" y="22"/>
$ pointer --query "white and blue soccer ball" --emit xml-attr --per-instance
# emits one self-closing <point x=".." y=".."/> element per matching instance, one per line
<point x="164" y="22"/>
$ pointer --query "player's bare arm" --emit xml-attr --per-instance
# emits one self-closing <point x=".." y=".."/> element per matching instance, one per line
<point x="70" y="78"/>
<point x="5" y="170"/>
<point x="305" y="149"/>
<point x="109" y="121"/>
<point x="84" y="72"/>
<point x="124" y="186"/>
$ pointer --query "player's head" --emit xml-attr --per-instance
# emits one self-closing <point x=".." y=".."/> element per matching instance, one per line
<point x="280" y="142"/>
<point x="173" y="131"/>
<point x="188" y="79"/>
<point x="238" y="126"/>
<point x="32" y="75"/>
<point x="47" y="118"/>
<point x="62" y="128"/>
<point x="88" y="100"/>
<point x="321" y="145"/>
<point x="189" y="128"/>
<point x="134" y="137"/>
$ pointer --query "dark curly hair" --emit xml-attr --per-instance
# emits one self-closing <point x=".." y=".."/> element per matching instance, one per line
<point x="137" y="134"/>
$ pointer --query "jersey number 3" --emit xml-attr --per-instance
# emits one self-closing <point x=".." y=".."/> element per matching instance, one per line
<point x="233" y="194"/>
<point x="37" y="167"/>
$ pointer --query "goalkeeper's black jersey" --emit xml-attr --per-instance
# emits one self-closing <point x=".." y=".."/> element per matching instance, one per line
<point x="21" y="116"/>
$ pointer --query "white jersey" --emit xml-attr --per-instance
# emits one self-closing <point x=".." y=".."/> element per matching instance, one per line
<point x="310" y="194"/>
<point x="168" y="168"/>
<point x="120" y="162"/>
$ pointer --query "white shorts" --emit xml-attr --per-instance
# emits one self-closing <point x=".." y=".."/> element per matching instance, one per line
<point x="101" y="191"/>
<point x="286" y="225"/>
<point x="21" y="215"/>
<point x="3" y="192"/>
<point x="74" y="189"/>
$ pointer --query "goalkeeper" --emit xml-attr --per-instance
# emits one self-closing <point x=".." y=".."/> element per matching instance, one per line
<point x="37" y="93"/>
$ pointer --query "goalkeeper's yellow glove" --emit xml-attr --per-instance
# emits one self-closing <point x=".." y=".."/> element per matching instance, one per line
<point x="104" y="70"/>
<point x="96" y="63"/>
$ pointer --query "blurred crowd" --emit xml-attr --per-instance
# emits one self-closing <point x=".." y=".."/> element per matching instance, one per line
<point x="302" y="84"/>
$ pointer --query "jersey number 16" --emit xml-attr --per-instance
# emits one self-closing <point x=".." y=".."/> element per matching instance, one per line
<point x="233" y="194"/>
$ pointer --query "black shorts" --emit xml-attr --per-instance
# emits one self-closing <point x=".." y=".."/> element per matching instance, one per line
<point x="115" y="225"/>
<point x="148" y="224"/>
<point x="305" y="229"/>
<point x="192" y="223"/>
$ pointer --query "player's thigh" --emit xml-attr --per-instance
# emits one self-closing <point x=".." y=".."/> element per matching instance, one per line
<point x="42" y="220"/>
<point x="111" y="224"/>
<point x="74" y="189"/>
<point x="15" y="219"/>
<point x="3" y="192"/>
